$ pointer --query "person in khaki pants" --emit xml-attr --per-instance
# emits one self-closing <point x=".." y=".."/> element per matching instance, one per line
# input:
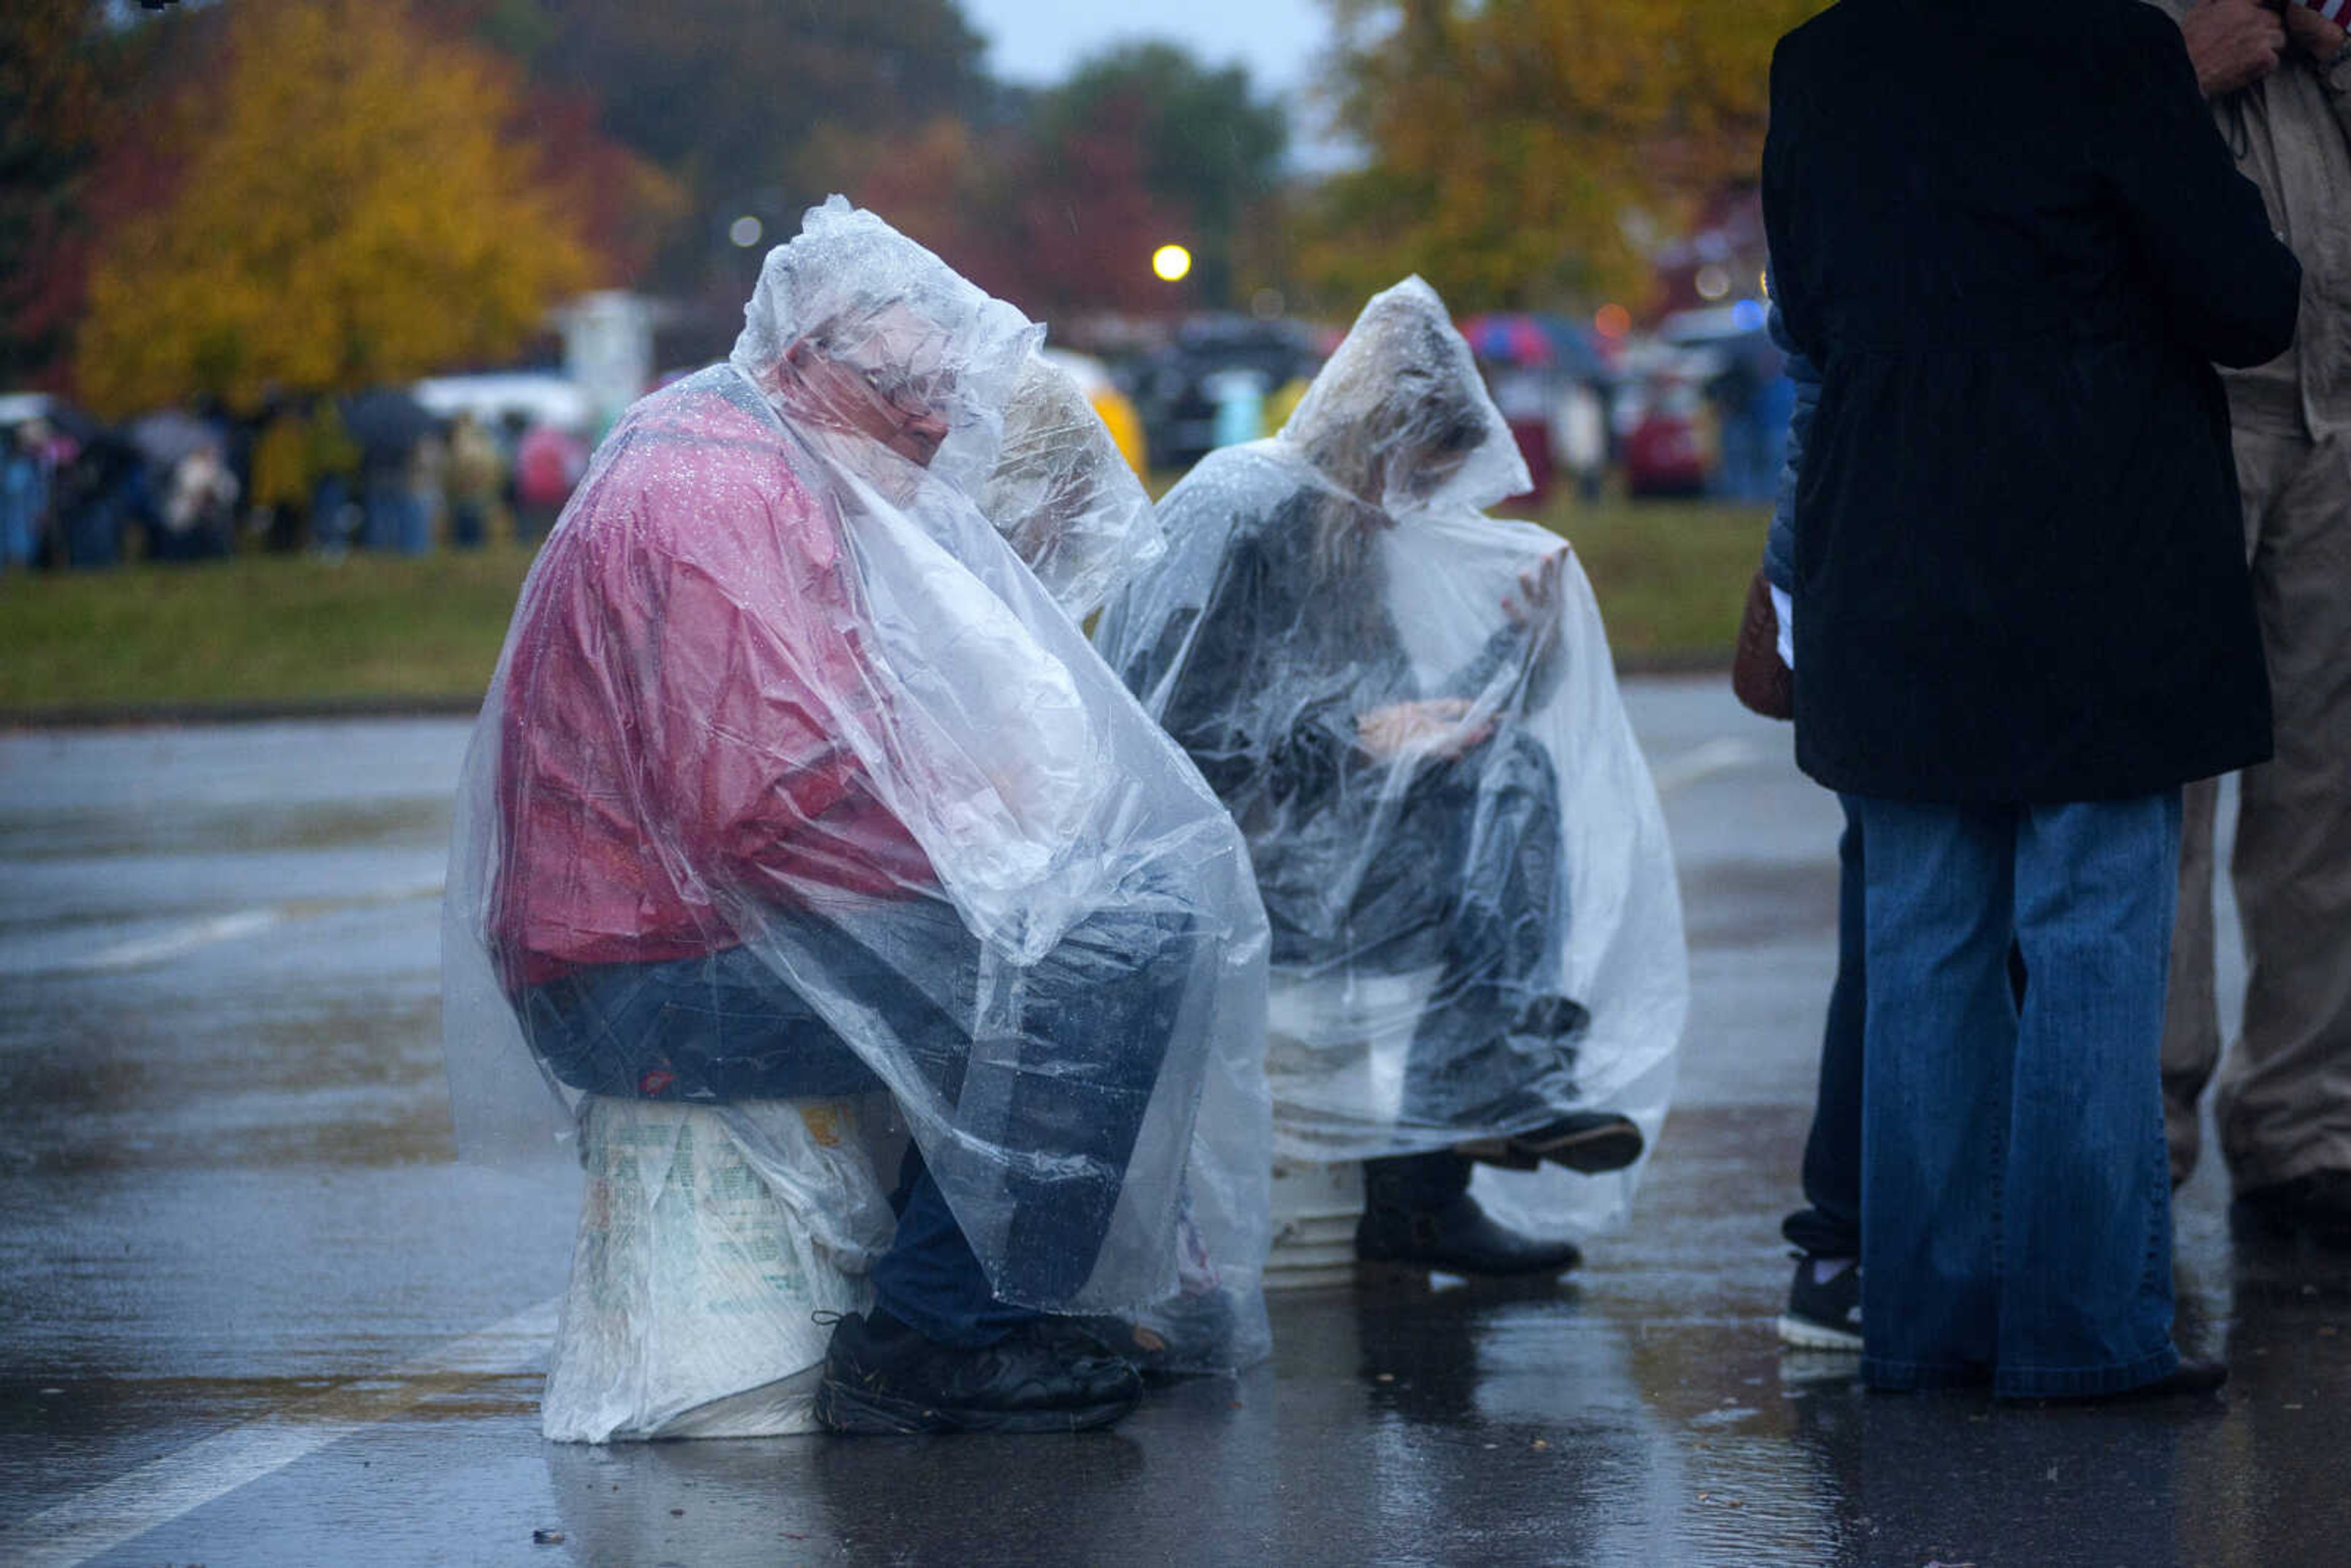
<point x="2279" y="86"/>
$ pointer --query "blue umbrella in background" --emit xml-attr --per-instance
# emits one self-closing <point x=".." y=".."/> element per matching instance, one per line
<point x="1529" y="340"/>
<point x="1509" y="338"/>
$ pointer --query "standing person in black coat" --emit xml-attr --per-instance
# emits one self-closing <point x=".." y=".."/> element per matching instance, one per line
<point x="2022" y="620"/>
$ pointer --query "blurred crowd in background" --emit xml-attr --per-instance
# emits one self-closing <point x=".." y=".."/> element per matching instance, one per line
<point x="257" y="256"/>
<point x="380" y="472"/>
<point x="1696" y="410"/>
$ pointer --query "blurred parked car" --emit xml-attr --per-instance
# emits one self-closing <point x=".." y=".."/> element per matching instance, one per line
<point x="1174" y="387"/>
<point x="1670" y="449"/>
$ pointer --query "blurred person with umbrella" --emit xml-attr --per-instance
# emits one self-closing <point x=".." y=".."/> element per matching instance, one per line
<point x="197" y="510"/>
<point x="25" y="489"/>
<point x="333" y="460"/>
<point x="476" y="476"/>
<point x="280" y="495"/>
<point x="390" y="426"/>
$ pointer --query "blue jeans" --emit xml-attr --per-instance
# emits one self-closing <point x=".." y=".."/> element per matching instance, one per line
<point x="1100" y="1009"/>
<point x="2016" y="1205"/>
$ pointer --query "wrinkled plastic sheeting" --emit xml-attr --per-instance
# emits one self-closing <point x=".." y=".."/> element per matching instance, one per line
<point x="775" y="687"/>
<point x="1074" y="510"/>
<point x="711" y="1239"/>
<point x="1347" y="564"/>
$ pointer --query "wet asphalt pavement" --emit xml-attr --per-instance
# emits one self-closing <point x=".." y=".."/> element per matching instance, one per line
<point x="252" y="1311"/>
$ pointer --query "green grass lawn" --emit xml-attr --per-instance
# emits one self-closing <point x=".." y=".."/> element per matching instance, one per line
<point x="257" y="629"/>
<point x="1671" y="576"/>
<point x="268" y="629"/>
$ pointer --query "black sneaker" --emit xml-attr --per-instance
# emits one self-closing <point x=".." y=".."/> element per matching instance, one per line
<point x="1823" y="1306"/>
<point x="1458" y="1237"/>
<point x="881" y="1376"/>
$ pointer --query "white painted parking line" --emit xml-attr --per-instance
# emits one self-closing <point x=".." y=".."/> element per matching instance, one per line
<point x="1703" y="761"/>
<point x="212" y="930"/>
<point x="185" y="939"/>
<point x="160" y="1491"/>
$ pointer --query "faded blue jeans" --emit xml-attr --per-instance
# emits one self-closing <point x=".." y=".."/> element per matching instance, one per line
<point x="1079" y="1075"/>
<point x="2016" y="1204"/>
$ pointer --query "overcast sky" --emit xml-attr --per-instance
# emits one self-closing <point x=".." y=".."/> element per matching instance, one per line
<point x="1037" y="41"/>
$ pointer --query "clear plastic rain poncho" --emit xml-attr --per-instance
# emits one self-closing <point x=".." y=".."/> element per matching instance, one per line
<point x="783" y="715"/>
<point x="1410" y="709"/>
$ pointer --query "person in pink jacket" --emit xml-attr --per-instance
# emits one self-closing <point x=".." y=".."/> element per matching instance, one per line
<point x="797" y="781"/>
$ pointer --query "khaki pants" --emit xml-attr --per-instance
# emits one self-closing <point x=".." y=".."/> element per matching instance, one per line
<point x="2284" y="1100"/>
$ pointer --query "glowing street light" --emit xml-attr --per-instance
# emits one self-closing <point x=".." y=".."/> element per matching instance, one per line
<point x="1173" y="262"/>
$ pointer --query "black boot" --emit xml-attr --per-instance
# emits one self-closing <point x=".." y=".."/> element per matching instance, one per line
<point x="882" y="1376"/>
<point x="1418" y="1211"/>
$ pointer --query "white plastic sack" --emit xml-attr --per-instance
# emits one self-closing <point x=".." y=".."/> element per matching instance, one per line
<point x="711" y="1239"/>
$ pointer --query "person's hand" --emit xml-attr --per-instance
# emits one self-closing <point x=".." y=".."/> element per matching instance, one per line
<point x="2313" y="33"/>
<point x="1537" y="600"/>
<point x="1436" y="725"/>
<point x="2233" y="44"/>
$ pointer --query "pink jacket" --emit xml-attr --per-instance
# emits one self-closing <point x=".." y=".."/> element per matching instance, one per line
<point x="686" y="652"/>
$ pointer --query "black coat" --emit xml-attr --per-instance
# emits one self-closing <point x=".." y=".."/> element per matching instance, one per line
<point x="1287" y="654"/>
<point x="2010" y="238"/>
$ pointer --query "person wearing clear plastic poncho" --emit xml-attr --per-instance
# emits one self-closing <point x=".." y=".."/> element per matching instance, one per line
<point x="1410" y="709"/>
<point x="795" y="781"/>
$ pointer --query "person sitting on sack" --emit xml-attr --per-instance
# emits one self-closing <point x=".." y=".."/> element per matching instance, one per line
<point x="796" y="781"/>
<point x="1409" y="708"/>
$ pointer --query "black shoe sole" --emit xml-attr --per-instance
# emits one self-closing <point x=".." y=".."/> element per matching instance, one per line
<point x="1505" y="1153"/>
<point x="1374" y="1269"/>
<point x="1798" y="1331"/>
<point x="1592" y="1152"/>
<point x="862" y="1412"/>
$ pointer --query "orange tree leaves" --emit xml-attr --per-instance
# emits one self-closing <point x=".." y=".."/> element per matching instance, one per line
<point x="1516" y="146"/>
<point x="354" y="206"/>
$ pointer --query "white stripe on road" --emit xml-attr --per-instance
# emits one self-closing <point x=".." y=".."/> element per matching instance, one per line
<point x="172" y="944"/>
<point x="216" y="929"/>
<point x="1718" y="755"/>
<point x="159" y="1492"/>
<point x="156" y="1493"/>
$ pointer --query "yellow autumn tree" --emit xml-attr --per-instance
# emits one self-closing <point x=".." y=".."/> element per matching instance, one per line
<point x="354" y="205"/>
<point x="1515" y="147"/>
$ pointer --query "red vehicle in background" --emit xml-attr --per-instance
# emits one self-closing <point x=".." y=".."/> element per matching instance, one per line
<point x="1670" y="449"/>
